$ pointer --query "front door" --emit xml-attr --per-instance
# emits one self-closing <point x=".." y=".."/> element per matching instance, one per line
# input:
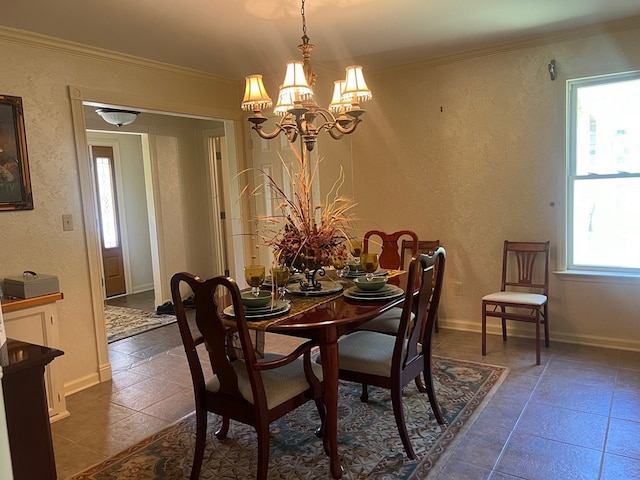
<point x="112" y="261"/>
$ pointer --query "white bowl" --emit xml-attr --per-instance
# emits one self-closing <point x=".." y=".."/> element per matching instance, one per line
<point x="376" y="283"/>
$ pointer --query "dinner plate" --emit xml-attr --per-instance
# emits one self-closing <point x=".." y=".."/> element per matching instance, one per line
<point x="327" y="289"/>
<point x="355" y="293"/>
<point x="279" y="308"/>
<point x="375" y="293"/>
<point x="292" y="279"/>
<point x="360" y="273"/>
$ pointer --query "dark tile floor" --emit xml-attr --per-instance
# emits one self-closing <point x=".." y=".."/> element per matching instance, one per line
<point x="576" y="416"/>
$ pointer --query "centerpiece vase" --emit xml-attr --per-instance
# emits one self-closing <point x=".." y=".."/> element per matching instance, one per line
<point x="312" y="271"/>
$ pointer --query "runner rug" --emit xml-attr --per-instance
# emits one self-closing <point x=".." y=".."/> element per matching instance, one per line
<point x="368" y="439"/>
<point x="124" y="322"/>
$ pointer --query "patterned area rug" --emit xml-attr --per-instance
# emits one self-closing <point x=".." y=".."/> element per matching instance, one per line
<point x="123" y="322"/>
<point x="369" y="443"/>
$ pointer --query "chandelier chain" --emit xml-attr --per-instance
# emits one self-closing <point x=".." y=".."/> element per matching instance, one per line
<point x="305" y="38"/>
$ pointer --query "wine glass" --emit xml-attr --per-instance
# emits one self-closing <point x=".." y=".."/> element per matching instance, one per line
<point x="280" y="277"/>
<point x="355" y="246"/>
<point x="369" y="263"/>
<point x="254" y="275"/>
<point x="340" y="264"/>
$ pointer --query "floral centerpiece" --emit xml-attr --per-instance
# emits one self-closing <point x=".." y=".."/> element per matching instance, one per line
<point x="303" y="236"/>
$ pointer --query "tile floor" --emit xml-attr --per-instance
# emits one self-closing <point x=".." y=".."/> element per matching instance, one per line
<point x="576" y="416"/>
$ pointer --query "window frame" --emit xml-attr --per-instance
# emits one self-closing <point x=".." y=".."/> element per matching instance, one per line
<point x="573" y="86"/>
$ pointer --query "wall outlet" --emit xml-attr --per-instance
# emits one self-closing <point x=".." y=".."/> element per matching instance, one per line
<point x="67" y="222"/>
<point x="457" y="289"/>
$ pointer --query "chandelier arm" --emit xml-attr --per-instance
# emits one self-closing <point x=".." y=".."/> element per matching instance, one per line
<point x="265" y="135"/>
<point x="284" y="125"/>
<point x="337" y="127"/>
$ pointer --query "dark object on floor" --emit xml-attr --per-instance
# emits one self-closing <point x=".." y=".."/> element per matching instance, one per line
<point x="189" y="302"/>
<point x="166" y="309"/>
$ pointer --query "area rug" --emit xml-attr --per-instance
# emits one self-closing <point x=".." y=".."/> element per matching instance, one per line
<point x="124" y="322"/>
<point x="368" y="440"/>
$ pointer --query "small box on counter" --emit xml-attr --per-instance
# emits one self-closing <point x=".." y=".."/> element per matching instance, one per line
<point x="30" y="284"/>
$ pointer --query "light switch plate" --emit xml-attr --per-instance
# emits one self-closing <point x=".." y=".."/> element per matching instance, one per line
<point x="67" y="222"/>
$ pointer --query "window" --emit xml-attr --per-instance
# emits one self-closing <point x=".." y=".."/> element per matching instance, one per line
<point x="604" y="174"/>
<point x="106" y="194"/>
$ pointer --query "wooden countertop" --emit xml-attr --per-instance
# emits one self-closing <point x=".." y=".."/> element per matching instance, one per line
<point x="11" y="305"/>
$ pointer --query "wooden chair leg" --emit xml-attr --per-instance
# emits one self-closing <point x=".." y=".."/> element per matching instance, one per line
<point x="538" y="337"/>
<point x="201" y="437"/>
<point x="546" y="326"/>
<point x="221" y="433"/>
<point x="420" y="385"/>
<point x="396" y="401"/>
<point x="484" y="329"/>
<point x="504" y="326"/>
<point x="322" y="412"/>
<point x="364" y="397"/>
<point x="263" y="451"/>
<point x="431" y="391"/>
<point x="435" y="325"/>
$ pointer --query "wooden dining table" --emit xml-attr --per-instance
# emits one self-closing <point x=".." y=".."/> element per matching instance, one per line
<point x="324" y="319"/>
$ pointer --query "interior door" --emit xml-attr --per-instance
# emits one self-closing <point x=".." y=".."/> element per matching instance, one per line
<point x="111" y="240"/>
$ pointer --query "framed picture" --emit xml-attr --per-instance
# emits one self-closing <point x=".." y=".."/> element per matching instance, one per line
<point x="15" y="182"/>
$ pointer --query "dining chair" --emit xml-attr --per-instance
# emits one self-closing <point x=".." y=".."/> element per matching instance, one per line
<point x="391" y="362"/>
<point x="389" y="257"/>
<point x="524" y="290"/>
<point x="243" y="389"/>
<point x="389" y="321"/>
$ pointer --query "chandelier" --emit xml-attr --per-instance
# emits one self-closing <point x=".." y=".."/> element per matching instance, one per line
<point x="300" y="114"/>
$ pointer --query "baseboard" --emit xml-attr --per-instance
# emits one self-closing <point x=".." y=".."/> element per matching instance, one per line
<point x="143" y="288"/>
<point x="516" y="330"/>
<point x="81" y="383"/>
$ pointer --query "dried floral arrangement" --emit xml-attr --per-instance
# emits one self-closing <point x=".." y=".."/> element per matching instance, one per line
<point x="303" y="235"/>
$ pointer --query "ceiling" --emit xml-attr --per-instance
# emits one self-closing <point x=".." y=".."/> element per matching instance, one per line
<point x="235" y="38"/>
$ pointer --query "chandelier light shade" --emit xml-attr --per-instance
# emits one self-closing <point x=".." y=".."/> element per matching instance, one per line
<point x="117" y="117"/>
<point x="255" y="95"/>
<point x="300" y="114"/>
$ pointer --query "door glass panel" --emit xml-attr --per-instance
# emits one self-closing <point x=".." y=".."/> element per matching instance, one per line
<point x="104" y="175"/>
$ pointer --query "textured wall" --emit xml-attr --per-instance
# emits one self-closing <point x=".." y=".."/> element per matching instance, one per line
<point x="41" y="75"/>
<point x="472" y="152"/>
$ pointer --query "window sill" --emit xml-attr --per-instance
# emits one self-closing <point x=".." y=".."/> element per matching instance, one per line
<point x="598" y="277"/>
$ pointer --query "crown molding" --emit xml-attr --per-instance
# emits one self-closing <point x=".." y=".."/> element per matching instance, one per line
<point x="538" y="40"/>
<point x="36" y="40"/>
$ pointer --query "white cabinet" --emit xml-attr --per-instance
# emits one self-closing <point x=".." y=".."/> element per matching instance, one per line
<point x="35" y="320"/>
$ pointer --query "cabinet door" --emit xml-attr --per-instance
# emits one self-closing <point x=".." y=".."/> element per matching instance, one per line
<point x="39" y="325"/>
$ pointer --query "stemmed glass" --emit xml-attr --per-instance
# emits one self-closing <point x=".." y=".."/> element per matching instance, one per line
<point x="369" y="263"/>
<point x="355" y="246"/>
<point x="254" y="275"/>
<point x="341" y="266"/>
<point x="280" y="277"/>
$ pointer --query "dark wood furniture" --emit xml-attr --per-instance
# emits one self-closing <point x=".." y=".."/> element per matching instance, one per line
<point x="325" y="321"/>
<point x="392" y="361"/>
<point x="27" y="411"/>
<point x="424" y="246"/>
<point x="242" y="389"/>
<point x="390" y="253"/>
<point x="524" y="291"/>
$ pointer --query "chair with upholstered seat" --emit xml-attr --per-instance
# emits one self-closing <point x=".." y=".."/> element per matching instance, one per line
<point x="243" y="389"/>
<point x="524" y="292"/>
<point x="388" y="321"/>
<point x="392" y="361"/>
<point x="390" y="254"/>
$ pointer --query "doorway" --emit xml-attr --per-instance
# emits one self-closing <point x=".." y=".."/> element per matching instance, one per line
<point x="124" y="228"/>
<point x="109" y="219"/>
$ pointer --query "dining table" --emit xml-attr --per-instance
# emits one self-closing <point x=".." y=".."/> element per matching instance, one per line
<point x="325" y="318"/>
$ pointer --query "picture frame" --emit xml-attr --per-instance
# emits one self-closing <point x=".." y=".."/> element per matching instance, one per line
<point x="15" y="180"/>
